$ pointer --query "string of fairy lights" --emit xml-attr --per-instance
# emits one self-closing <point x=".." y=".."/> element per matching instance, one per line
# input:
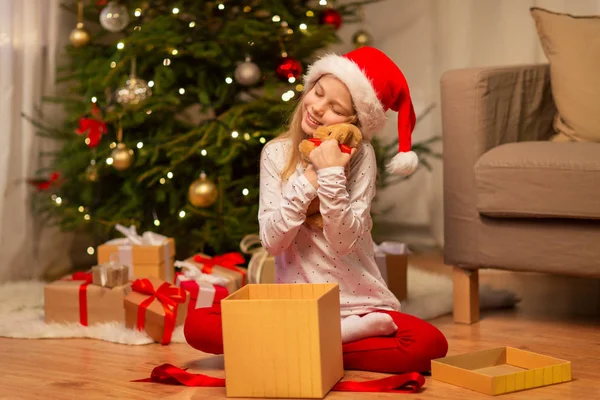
<point x="115" y="17"/>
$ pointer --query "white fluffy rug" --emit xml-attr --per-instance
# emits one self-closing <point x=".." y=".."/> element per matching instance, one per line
<point x="22" y="310"/>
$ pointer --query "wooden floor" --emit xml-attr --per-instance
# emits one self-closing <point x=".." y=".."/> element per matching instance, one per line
<point x="557" y="316"/>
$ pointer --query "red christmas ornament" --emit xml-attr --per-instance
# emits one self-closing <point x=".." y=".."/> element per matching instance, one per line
<point x="45" y="184"/>
<point x="331" y="17"/>
<point x="289" y="67"/>
<point x="94" y="127"/>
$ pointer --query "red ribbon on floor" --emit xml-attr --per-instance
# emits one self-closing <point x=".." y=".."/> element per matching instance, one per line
<point x="411" y="382"/>
<point x="227" y="260"/>
<point x="168" y="295"/>
<point x="344" y="148"/>
<point x="83" y="308"/>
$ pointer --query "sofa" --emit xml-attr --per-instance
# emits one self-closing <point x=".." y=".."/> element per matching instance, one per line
<point x="513" y="199"/>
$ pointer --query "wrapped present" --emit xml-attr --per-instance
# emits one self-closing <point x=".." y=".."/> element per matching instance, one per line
<point x="110" y="275"/>
<point x="156" y="307"/>
<point x="148" y="255"/>
<point x="392" y="260"/>
<point x="75" y="299"/>
<point x="261" y="268"/>
<point x="205" y="290"/>
<point x="224" y="266"/>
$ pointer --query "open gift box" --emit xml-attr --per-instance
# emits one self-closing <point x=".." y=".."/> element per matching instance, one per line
<point x="500" y="370"/>
<point x="148" y="255"/>
<point x="282" y="340"/>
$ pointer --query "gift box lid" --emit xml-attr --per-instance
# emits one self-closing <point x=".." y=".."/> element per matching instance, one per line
<point x="500" y="370"/>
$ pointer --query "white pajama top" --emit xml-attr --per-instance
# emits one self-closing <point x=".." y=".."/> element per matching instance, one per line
<point x="343" y="251"/>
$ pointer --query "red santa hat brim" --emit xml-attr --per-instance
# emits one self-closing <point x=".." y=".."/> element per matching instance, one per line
<point x="370" y="112"/>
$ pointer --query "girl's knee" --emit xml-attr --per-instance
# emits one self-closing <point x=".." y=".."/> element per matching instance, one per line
<point x="434" y="342"/>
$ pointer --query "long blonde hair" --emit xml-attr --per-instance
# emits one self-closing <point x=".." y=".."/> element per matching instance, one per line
<point x="297" y="135"/>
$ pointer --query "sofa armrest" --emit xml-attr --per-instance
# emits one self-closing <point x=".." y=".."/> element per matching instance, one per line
<point x="483" y="108"/>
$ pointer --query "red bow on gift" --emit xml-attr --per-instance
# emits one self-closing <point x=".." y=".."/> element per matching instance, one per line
<point x="344" y="148"/>
<point x="83" y="309"/>
<point x="94" y="127"/>
<point x="227" y="260"/>
<point x="168" y="295"/>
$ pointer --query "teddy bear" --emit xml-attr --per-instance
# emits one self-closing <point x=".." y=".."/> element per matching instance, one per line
<point x="349" y="137"/>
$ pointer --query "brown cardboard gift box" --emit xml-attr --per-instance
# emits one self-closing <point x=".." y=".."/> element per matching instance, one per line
<point x="144" y="260"/>
<point x="145" y="308"/>
<point x="500" y="370"/>
<point x="282" y="340"/>
<point x="62" y="299"/>
<point x="235" y="275"/>
<point x="392" y="260"/>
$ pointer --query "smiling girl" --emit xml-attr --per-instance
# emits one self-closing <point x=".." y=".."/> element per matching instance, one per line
<point x="358" y="87"/>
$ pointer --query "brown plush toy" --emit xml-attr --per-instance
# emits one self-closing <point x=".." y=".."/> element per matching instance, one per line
<point x="349" y="137"/>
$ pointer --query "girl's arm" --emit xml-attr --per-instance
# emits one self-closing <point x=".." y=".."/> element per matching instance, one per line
<point x="280" y="216"/>
<point x="346" y="205"/>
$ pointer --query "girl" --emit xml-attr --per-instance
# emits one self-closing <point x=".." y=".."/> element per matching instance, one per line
<point x="358" y="87"/>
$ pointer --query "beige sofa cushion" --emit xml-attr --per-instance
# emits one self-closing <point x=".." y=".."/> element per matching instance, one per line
<point x="539" y="179"/>
<point x="572" y="46"/>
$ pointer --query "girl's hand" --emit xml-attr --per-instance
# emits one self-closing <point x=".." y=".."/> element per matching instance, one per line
<point x="328" y="154"/>
<point x="311" y="175"/>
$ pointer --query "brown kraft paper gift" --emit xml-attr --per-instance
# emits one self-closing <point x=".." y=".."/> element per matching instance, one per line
<point x="62" y="302"/>
<point x="154" y="320"/>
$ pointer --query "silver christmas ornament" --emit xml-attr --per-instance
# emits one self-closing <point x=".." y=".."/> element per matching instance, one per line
<point x="114" y="17"/>
<point x="134" y="92"/>
<point x="247" y="73"/>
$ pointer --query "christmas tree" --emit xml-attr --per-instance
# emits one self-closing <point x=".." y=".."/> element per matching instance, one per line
<point x="169" y="106"/>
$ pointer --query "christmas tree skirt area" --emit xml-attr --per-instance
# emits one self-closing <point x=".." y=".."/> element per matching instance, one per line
<point x="22" y="310"/>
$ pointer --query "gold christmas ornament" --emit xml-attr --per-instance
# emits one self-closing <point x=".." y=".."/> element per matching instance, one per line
<point x="79" y="36"/>
<point x="122" y="157"/>
<point x="202" y="192"/>
<point x="91" y="172"/>
<point x="362" y="38"/>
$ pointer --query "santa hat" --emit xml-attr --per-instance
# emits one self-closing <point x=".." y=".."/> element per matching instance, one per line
<point x="376" y="85"/>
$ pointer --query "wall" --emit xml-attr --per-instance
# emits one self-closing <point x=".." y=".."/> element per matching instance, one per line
<point x="426" y="38"/>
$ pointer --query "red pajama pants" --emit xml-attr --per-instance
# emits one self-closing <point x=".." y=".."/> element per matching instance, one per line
<point x="410" y="349"/>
